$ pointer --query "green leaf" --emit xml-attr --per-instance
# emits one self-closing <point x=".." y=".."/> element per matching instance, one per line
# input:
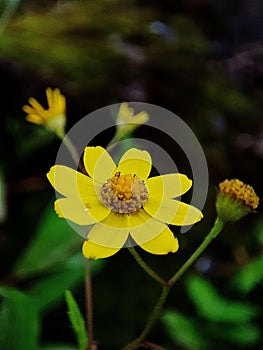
<point x="76" y="320"/>
<point x="19" y="321"/>
<point x="54" y="242"/>
<point x="247" y="279"/>
<point x="49" y="290"/>
<point x="211" y="305"/>
<point x="184" y="330"/>
<point x="241" y="334"/>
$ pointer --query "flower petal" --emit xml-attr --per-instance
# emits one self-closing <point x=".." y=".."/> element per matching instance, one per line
<point x="135" y="161"/>
<point x="173" y="212"/>
<point x="168" y="186"/>
<point x="80" y="213"/>
<point x="95" y="251"/>
<point x="71" y="183"/>
<point x="36" y="105"/>
<point x="34" y="118"/>
<point x="98" y="163"/>
<point x="164" y="243"/>
<point x="107" y="235"/>
<point x="144" y="228"/>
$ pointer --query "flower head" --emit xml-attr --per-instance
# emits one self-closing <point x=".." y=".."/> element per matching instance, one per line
<point x="235" y="200"/>
<point x="54" y="117"/>
<point x="122" y="202"/>
<point x="127" y="121"/>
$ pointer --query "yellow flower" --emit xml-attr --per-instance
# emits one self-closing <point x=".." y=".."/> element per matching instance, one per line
<point x="54" y="117"/>
<point x="122" y="202"/>
<point x="126" y="115"/>
<point x="127" y="121"/>
<point x="235" y="200"/>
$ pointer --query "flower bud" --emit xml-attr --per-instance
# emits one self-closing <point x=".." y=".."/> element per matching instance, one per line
<point x="235" y="200"/>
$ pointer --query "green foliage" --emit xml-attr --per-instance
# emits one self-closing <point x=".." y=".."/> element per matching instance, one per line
<point x="214" y="307"/>
<point x="19" y="321"/>
<point x="218" y="319"/>
<point x="49" y="289"/>
<point x="238" y="334"/>
<point x="76" y="320"/>
<point x="184" y="330"/>
<point x="54" y="242"/>
<point x="248" y="278"/>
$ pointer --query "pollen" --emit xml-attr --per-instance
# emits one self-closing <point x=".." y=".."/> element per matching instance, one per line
<point x="240" y="191"/>
<point x="124" y="193"/>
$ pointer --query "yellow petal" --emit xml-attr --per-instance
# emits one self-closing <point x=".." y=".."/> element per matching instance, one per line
<point x="135" y="161"/>
<point x="168" y="186"/>
<point x="34" y="118"/>
<point x="80" y="213"/>
<point x="144" y="228"/>
<point x="71" y="183"/>
<point x="98" y="163"/>
<point x="108" y="236"/>
<point x="36" y="105"/>
<point x="173" y="212"/>
<point x="133" y="220"/>
<point x="164" y="243"/>
<point x="95" y="251"/>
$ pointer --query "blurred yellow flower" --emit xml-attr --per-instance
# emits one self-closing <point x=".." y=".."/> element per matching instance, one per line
<point x="127" y="121"/>
<point x="235" y="200"/>
<point x="54" y="117"/>
<point x="122" y="202"/>
<point x="126" y="115"/>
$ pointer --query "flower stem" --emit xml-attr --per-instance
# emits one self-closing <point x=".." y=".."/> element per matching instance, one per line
<point x="152" y="319"/>
<point x="216" y="229"/>
<point x="89" y="309"/>
<point x="146" y="267"/>
<point x="75" y="156"/>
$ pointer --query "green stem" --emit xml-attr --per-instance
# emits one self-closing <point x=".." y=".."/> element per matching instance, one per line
<point x="75" y="156"/>
<point x="216" y="229"/>
<point x="146" y="267"/>
<point x="88" y="281"/>
<point x="152" y="319"/>
<point x="89" y="309"/>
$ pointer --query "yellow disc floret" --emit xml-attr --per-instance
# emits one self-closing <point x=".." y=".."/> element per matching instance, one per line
<point x="235" y="200"/>
<point x="240" y="191"/>
<point x="124" y="193"/>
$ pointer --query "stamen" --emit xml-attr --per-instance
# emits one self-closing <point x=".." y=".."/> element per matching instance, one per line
<point x="124" y="193"/>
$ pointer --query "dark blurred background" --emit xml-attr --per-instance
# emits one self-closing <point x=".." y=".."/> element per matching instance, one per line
<point x="201" y="59"/>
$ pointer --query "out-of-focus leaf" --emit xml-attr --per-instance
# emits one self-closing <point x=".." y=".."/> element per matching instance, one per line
<point x="49" y="290"/>
<point x="247" y="279"/>
<point x="184" y="330"/>
<point x="54" y="242"/>
<point x="19" y="321"/>
<point x="211" y="305"/>
<point x="2" y="198"/>
<point x="238" y="334"/>
<point x="10" y="8"/>
<point x="76" y="320"/>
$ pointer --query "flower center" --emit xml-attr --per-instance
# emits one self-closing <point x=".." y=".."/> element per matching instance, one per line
<point x="240" y="191"/>
<point x="124" y="193"/>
